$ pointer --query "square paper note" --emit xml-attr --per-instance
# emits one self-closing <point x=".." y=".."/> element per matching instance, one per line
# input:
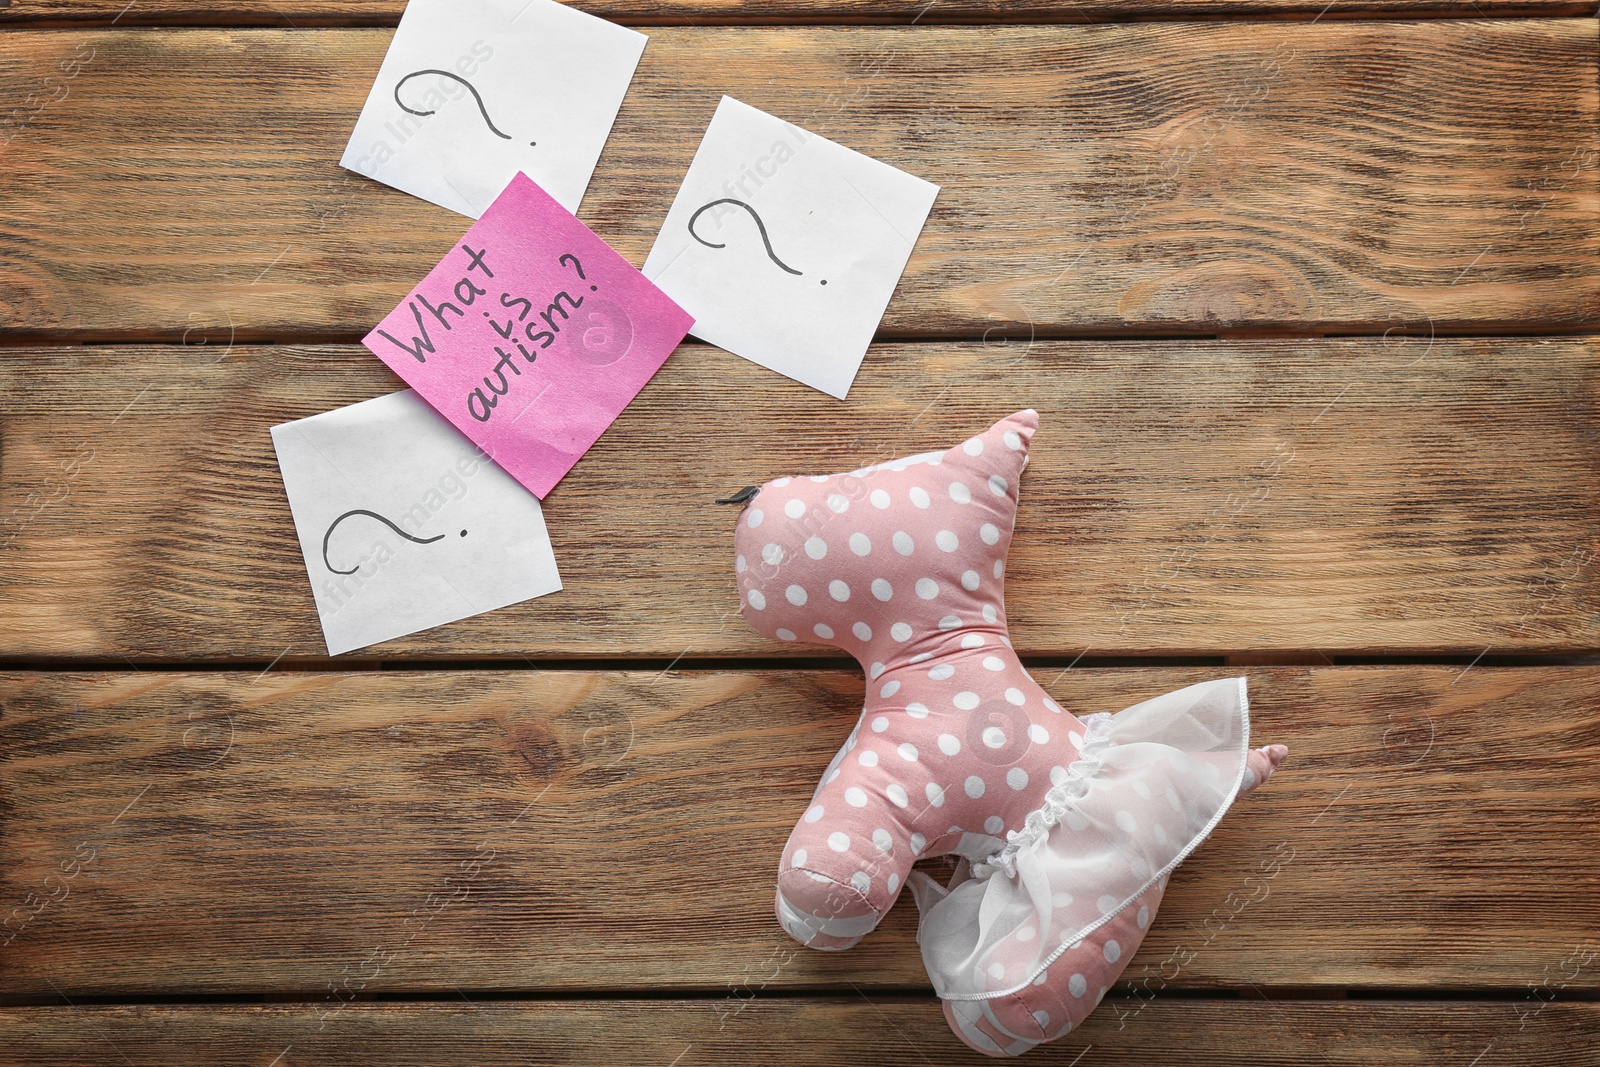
<point x="472" y="92"/>
<point x="786" y="247"/>
<point x="531" y="335"/>
<point x="404" y="524"/>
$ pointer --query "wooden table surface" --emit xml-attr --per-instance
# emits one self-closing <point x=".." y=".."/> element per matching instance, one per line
<point x="1307" y="294"/>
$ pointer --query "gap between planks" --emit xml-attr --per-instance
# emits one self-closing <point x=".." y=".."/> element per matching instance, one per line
<point x="684" y="665"/>
<point x="147" y="16"/>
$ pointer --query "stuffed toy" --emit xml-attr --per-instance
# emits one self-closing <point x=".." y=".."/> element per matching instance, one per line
<point x="1065" y="829"/>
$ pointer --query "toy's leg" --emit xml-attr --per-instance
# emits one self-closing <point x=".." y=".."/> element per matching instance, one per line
<point x="845" y="863"/>
<point x="839" y="881"/>
<point x="1060" y="998"/>
<point x="1071" y="987"/>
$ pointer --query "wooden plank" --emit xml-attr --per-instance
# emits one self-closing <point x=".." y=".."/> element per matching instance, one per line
<point x="1341" y="177"/>
<point x="305" y="13"/>
<point x="890" y="1030"/>
<point x="422" y="831"/>
<point x="1184" y="498"/>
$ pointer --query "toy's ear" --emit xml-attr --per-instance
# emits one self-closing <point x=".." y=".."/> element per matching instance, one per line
<point x="1016" y="431"/>
<point x="995" y="458"/>
<point x="1022" y="423"/>
<point x="1003" y="447"/>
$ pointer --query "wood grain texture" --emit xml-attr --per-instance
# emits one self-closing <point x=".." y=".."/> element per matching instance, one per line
<point x="1184" y="497"/>
<point x="306" y="13"/>
<point x="1161" y="178"/>
<point x="334" y="834"/>
<point x="894" y="1031"/>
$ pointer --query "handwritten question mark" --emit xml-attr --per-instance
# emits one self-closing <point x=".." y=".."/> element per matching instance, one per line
<point x="371" y="514"/>
<point x="761" y="226"/>
<point x="579" y="267"/>
<point x="456" y="78"/>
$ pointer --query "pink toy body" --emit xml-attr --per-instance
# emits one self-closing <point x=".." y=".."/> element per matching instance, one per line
<point x="959" y="751"/>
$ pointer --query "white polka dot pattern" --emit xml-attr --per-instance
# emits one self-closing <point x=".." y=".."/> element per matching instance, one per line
<point x="900" y="565"/>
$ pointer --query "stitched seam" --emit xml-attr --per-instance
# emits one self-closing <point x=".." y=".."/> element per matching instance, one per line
<point x="847" y="887"/>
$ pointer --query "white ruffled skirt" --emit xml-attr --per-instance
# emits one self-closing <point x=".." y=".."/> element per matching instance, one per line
<point x="1150" y="784"/>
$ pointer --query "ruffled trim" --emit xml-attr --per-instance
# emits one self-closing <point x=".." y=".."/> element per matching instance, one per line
<point x="1195" y="842"/>
<point x="1096" y="739"/>
<point x="966" y="918"/>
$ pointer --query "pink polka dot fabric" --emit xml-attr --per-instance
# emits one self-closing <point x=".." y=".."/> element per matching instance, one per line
<point x="1066" y="830"/>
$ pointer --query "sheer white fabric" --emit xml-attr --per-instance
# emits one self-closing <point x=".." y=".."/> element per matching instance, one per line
<point x="1150" y="784"/>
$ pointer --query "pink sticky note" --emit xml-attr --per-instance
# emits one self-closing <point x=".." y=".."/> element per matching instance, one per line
<point x="531" y="335"/>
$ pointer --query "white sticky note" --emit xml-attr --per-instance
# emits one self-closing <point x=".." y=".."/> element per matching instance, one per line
<point x="786" y="247"/>
<point x="472" y="91"/>
<point x="404" y="523"/>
